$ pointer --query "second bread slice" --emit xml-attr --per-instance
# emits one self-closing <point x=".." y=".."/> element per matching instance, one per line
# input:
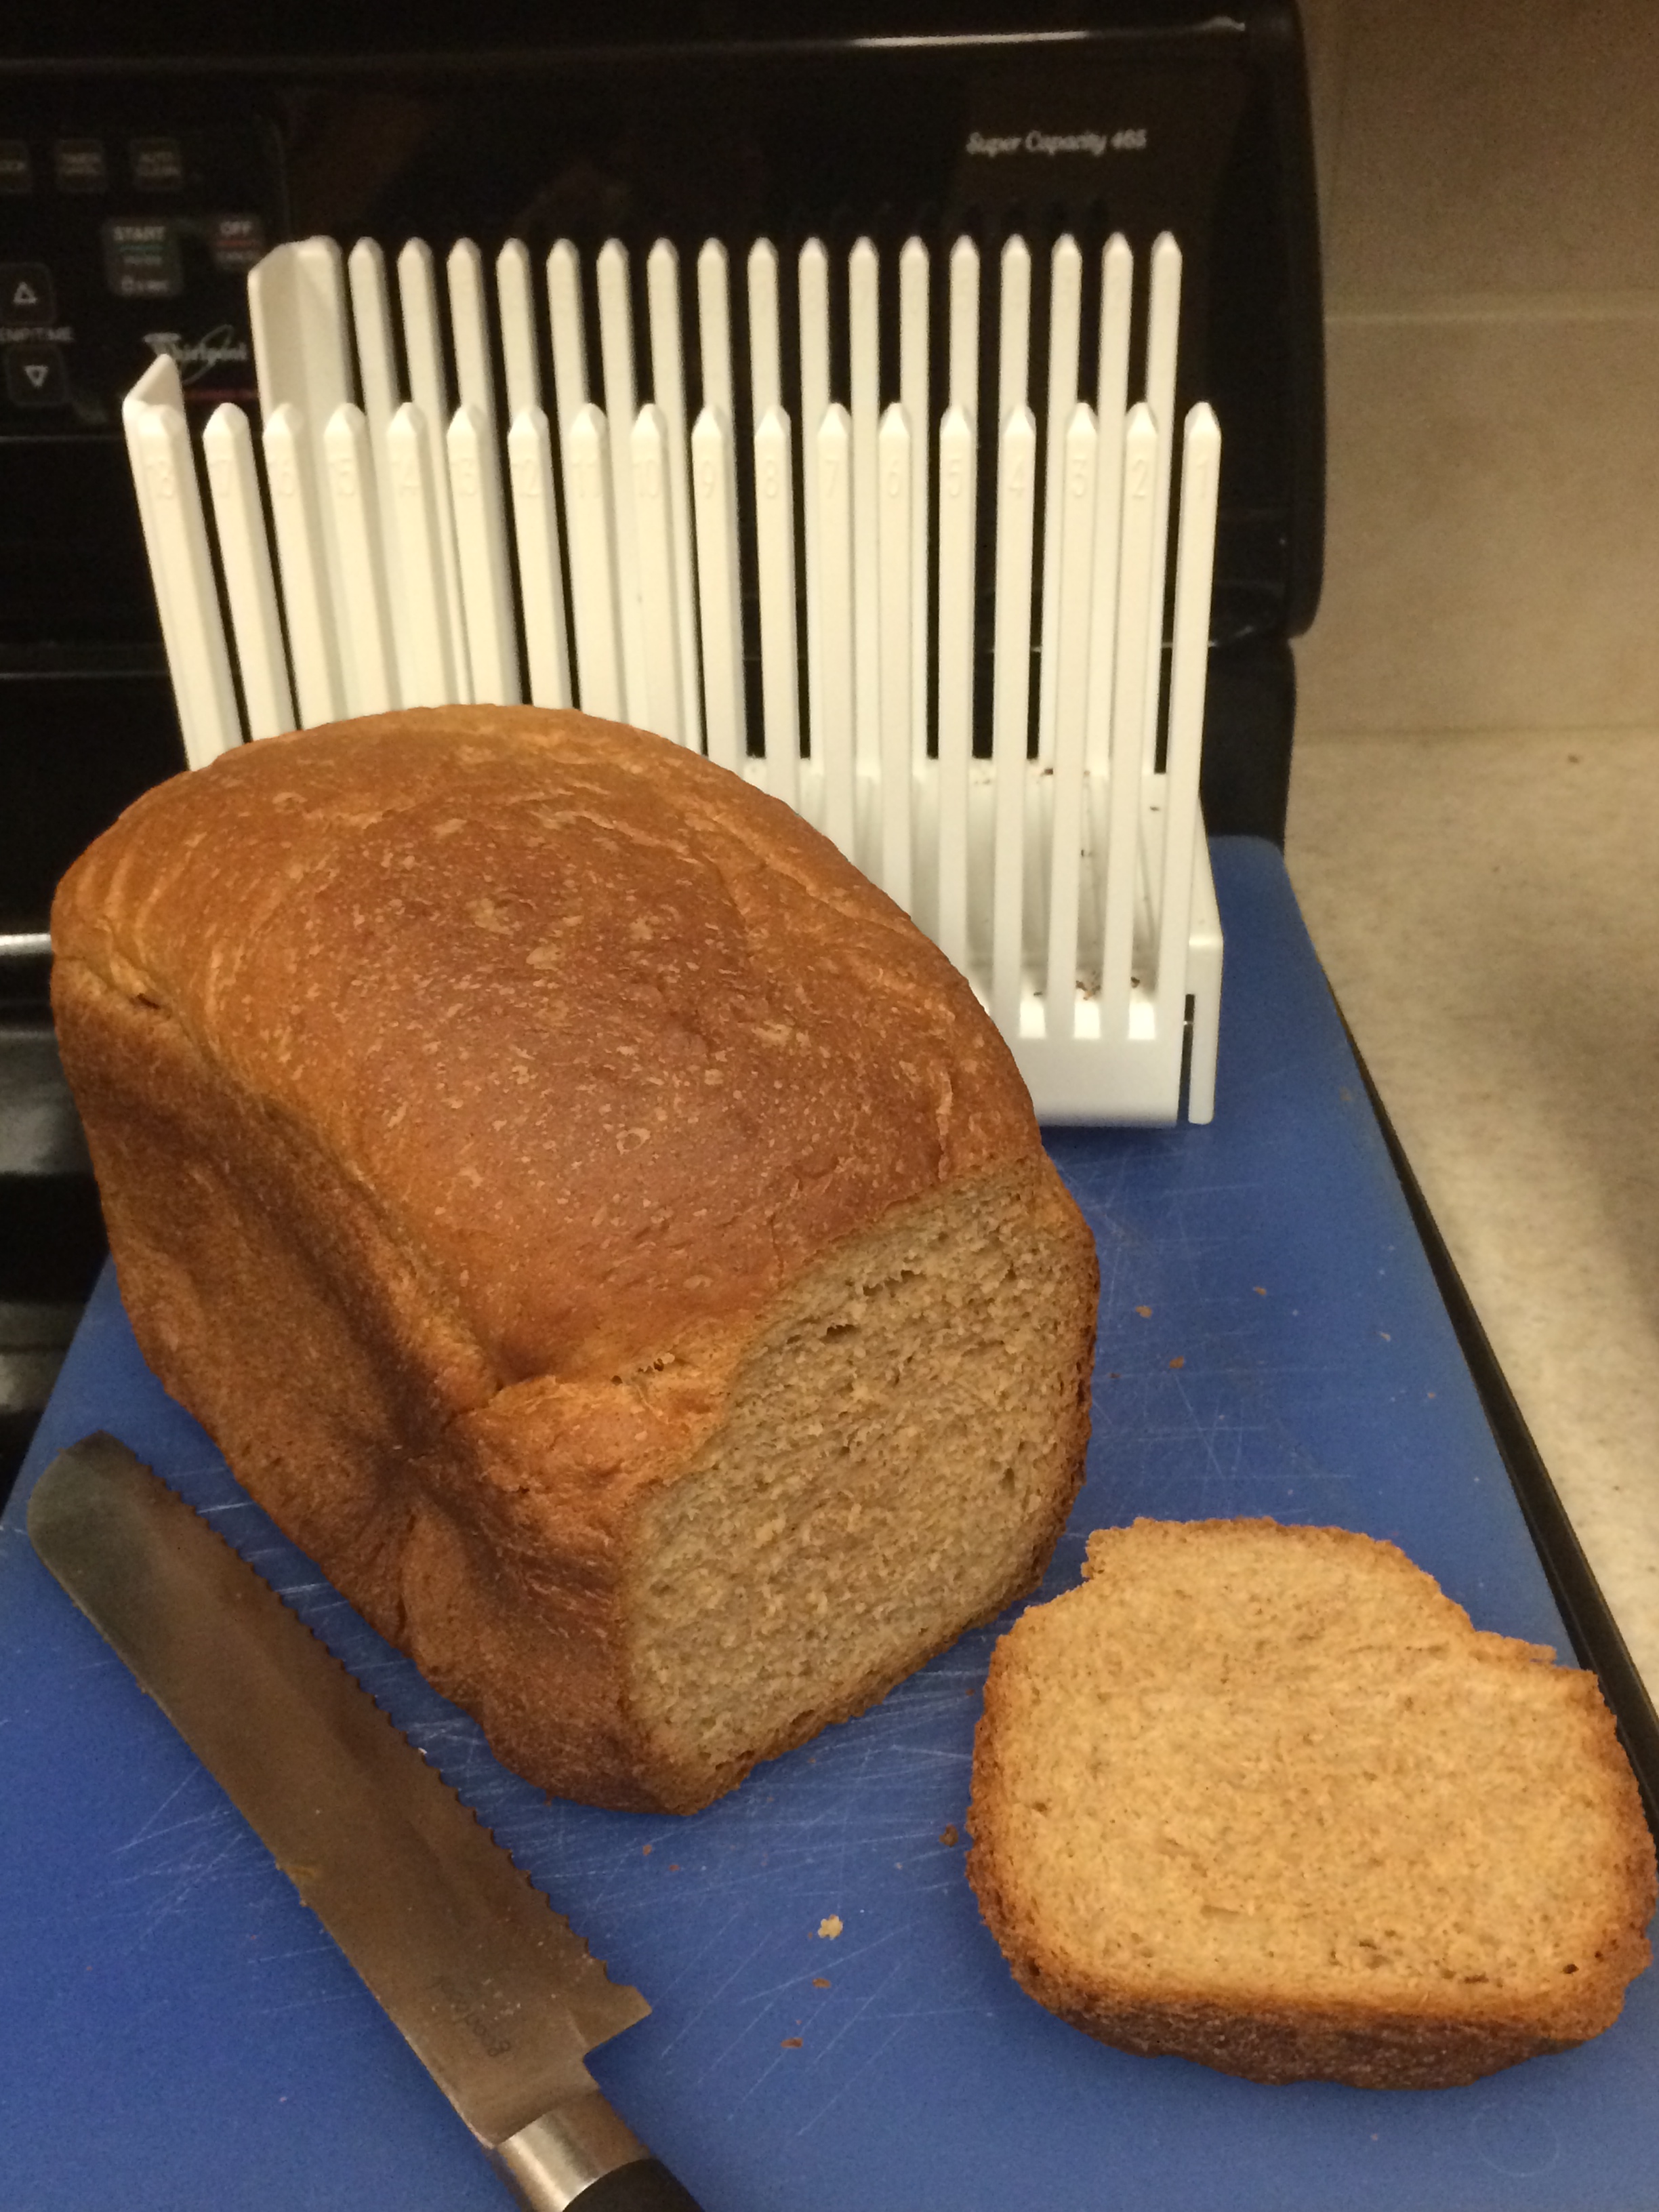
<point x="1263" y="1797"/>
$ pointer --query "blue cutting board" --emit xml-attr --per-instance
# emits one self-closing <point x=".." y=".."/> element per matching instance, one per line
<point x="178" y="2033"/>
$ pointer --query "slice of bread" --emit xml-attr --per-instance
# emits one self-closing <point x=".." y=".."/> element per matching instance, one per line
<point x="1263" y="1797"/>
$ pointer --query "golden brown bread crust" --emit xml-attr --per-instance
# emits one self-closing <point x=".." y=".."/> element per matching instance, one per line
<point x="467" y="1088"/>
<point x="1272" y="2042"/>
<point x="1263" y="2038"/>
<point x="288" y="909"/>
<point x="1274" y="2033"/>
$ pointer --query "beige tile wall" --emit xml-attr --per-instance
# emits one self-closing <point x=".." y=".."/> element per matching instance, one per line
<point x="1474" y="810"/>
<point x="1490" y="180"/>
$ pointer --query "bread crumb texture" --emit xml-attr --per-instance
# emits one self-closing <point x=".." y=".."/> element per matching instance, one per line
<point x="590" y="1217"/>
<point x="1262" y="1796"/>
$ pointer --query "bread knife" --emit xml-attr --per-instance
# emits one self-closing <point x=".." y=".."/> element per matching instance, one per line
<point x="499" y="1997"/>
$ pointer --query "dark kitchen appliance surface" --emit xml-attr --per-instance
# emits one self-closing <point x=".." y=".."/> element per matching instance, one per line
<point x="137" y="192"/>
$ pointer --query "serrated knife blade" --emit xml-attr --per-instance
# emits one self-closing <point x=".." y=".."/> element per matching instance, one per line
<point x="498" y="1996"/>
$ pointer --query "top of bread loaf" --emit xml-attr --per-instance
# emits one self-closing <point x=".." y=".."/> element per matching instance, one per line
<point x="618" y="1043"/>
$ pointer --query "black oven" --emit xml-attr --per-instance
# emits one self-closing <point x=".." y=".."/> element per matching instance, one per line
<point x="148" y="158"/>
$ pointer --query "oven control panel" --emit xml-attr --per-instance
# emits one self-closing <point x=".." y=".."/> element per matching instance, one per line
<point x="124" y="233"/>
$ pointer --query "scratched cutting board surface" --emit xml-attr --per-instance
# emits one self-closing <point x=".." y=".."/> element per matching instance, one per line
<point x="179" y="2033"/>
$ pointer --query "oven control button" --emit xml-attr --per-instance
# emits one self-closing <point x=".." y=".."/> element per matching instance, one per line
<point x="142" y="260"/>
<point x="26" y="292"/>
<point x="236" y="242"/>
<point x="80" y="165"/>
<point x="16" y="169"/>
<point x="156" y="165"/>
<point x="35" y="375"/>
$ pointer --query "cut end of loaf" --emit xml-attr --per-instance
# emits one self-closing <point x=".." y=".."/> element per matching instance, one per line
<point x="1263" y="1797"/>
<point x="901" y="1450"/>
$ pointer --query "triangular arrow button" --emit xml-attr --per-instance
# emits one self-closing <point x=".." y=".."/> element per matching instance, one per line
<point x="35" y="374"/>
<point x="27" y="292"/>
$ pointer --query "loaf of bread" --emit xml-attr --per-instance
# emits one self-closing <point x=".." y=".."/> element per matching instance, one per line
<point x="594" y="1222"/>
<point x="1263" y="1797"/>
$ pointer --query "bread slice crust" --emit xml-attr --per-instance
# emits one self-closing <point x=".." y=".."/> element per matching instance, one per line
<point x="1327" y="1829"/>
<point x="473" y="1095"/>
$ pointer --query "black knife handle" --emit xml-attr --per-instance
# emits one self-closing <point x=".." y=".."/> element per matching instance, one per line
<point x="582" y="2156"/>
<point x="645" y="2186"/>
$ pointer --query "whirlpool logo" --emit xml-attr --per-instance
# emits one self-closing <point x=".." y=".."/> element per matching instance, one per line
<point x="197" y="358"/>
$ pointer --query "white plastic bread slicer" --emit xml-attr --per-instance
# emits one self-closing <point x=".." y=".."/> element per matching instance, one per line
<point x="830" y="596"/>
